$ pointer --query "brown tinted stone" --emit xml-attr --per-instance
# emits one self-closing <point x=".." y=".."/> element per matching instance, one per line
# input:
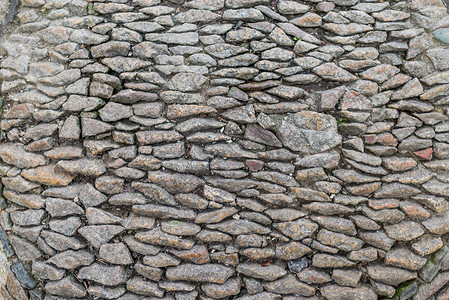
<point x="197" y="254"/>
<point x="339" y="240"/>
<point x="292" y="250"/>
<point x="229" y="288"/>
<point x="404" y="258"/>
<point x="298" y="229"/>
<point x="397" y="164"/>
<point x="270" y="272"/>
<point x="414" y="210"/>
<point x="365" y="254"/>
<point x="48" y="175"/>
<point x="19" y="111"/>
<point x="83" y="166"/>
<point x="404" y="231"/>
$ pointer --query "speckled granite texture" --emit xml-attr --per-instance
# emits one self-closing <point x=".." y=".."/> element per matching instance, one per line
<point x="224" y="149"/>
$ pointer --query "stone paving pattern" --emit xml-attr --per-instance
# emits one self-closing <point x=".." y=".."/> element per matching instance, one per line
<point x="225" y="149"/>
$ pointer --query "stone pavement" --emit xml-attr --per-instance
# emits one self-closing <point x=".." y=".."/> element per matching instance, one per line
<point x="224" y="149"/>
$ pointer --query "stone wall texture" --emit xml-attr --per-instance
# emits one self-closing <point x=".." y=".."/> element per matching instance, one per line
<point x="224" y="149"/>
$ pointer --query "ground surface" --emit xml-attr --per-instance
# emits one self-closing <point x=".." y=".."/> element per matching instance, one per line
<point x="209" y="149"/>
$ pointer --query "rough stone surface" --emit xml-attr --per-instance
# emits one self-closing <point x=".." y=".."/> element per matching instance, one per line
<point x="212" y="149"/>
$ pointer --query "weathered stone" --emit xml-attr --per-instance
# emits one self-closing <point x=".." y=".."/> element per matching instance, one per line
<point x="58" y="207"/>
<point x="55" y="34"/>
<point x="270" y="272"/>
<point x="116" y="253"/>
<point x="143" y="287"/>
<point x="48" y="175"/>
<point x="213" y="273"/>
<point x="437" y="224"/>
<point x="397" y="190"/>
<point x="186" y="82"/>
<point x="164" y="212"/>
<point x="339" y="240"/>
<point x="243" y="35"/>
<point x="330" y="261"/>
<point x="175" y="183"/>
<point x="298" y="229"/>
<point x="237" y="227"/>
<point x="437" y="55"/>
<point x="377" y="239"/>
<point x="157" y="136"/>
<point x="317" y="132"/>
<point x="100" y="234"/>
<point x="404" y="258"/>
<point x="85" y="36"/>
<point x="83" y="166"/>
<point x="18" y="184"/>
<point x="105" y="292"/>
<point x="158" y="237"/>
<point x="72" y="259"/>
<point x="229" y="288"/>
<point x="103" y="274"/>
<point x="289" y="285"/>
<point x="67" y="287"/>
<point x="25" y="250"/>
<point x="291" y="7"/>
<point x="124" y="64"/>
<point x="114" y="111"/>
<point x="45" y="271"/>
<point x="331" y="71"/>
<point x="334" y="292"/>
<point x="390" y="275"/>
<point x="346" y="29"/>
<point x="16" y="155"/>
<point x="111" y="49"/>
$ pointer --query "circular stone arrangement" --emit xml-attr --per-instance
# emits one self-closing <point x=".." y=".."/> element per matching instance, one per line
<point x="225" y="149"/>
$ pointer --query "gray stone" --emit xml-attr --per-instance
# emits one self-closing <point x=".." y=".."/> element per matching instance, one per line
<point x="59" y="208"/>
<point x="116" y="253"/>
<point x="103" y="274"/>
<point x="270" y="272"/>
<point x="309" y="132"/>
<point x="45" y="271"/>
<point x="140" y="286"/>
<point x="67" y="287"/>
<point x="334" y="292"/>
<point x="72" y="259"/>
<point x="100" y="234"/>
<point x="83" y="166"/>
<point x="114" y="111"/>
<point x="213" y="273"/>
<point x="85" y="36"/>
<point x="390" y="275"/>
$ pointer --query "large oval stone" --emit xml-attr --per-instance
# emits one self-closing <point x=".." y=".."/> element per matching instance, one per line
<point x="309" y="132"/>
